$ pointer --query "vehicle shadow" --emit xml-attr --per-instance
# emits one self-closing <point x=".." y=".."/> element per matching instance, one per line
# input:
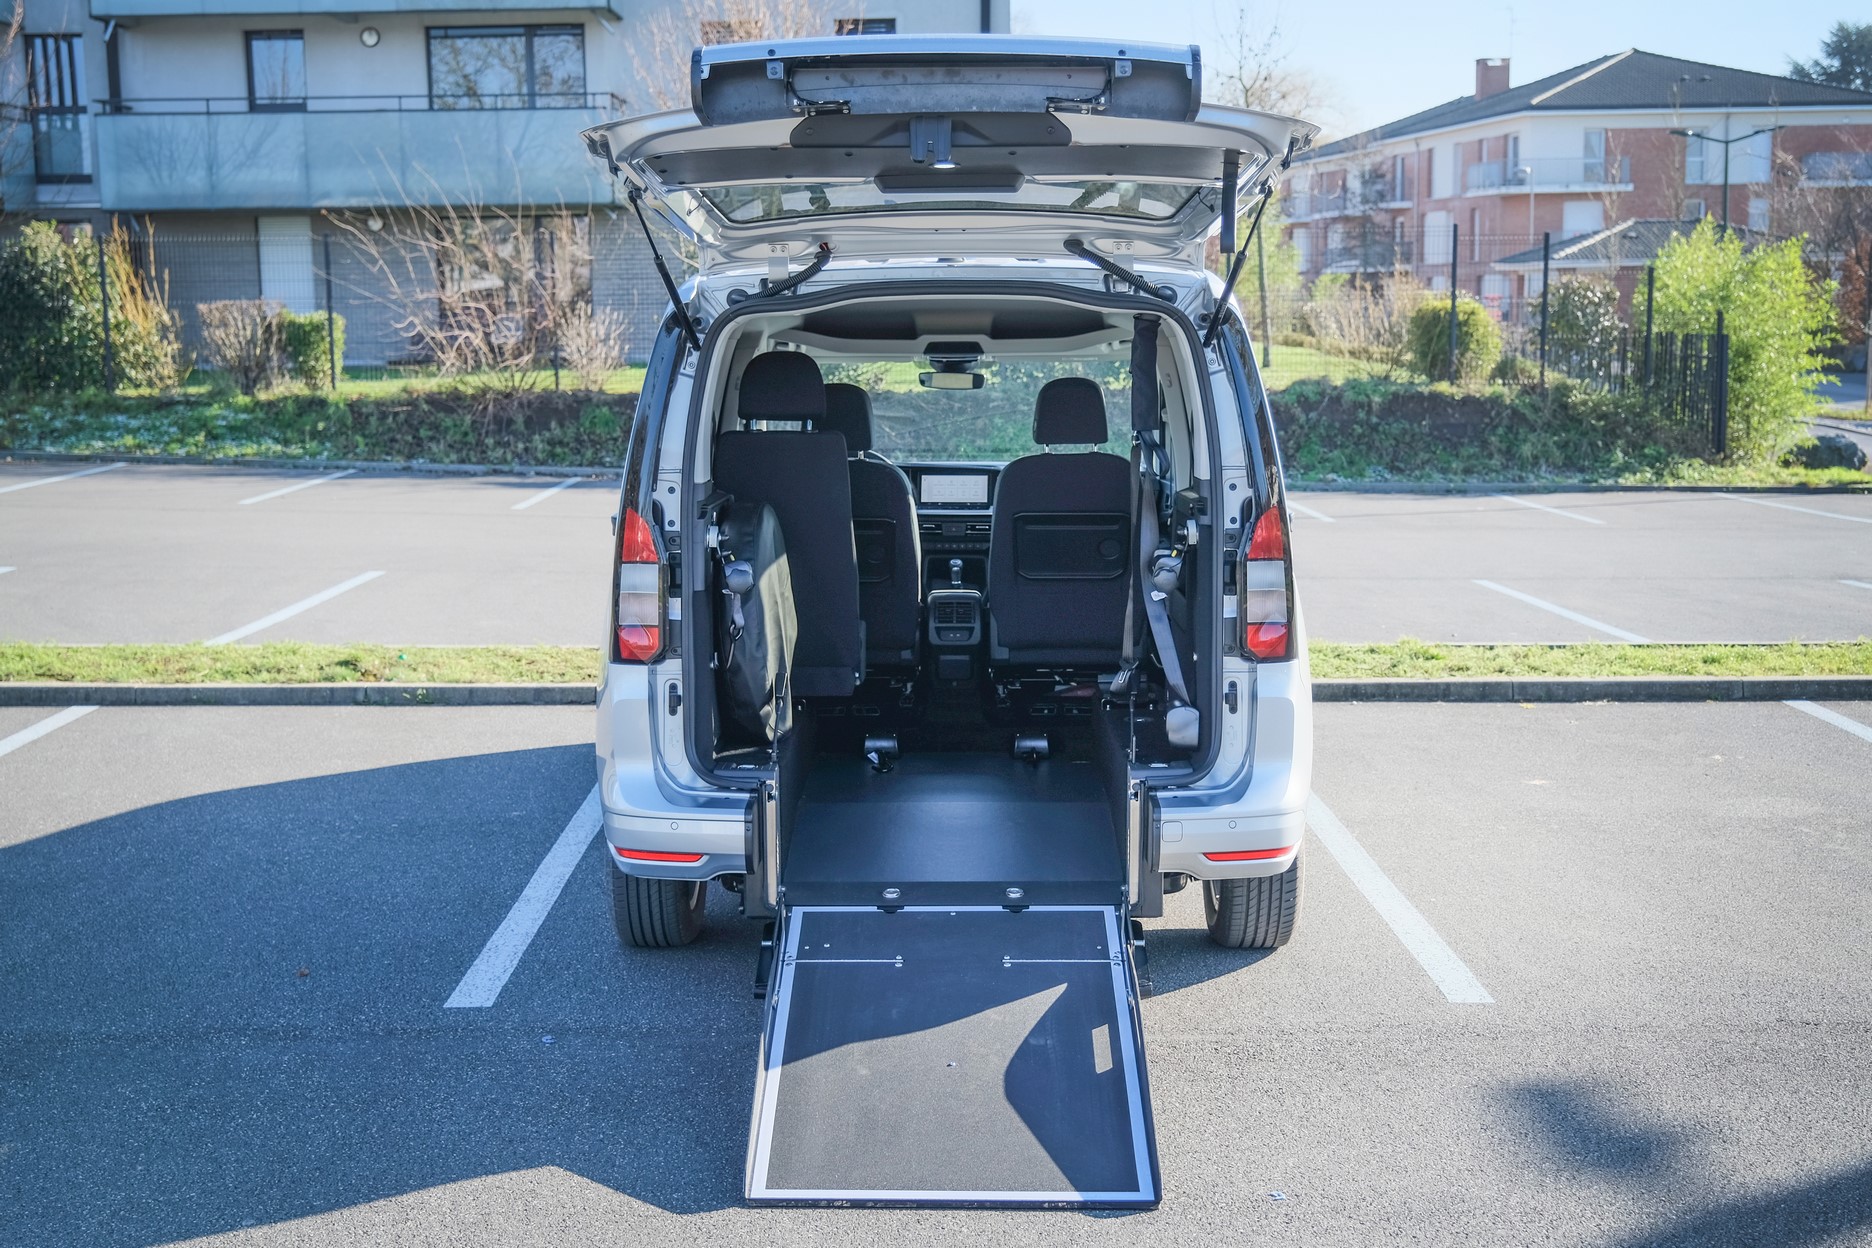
<point x="226" y="1010"/>
<point x="1581" y="1127"/>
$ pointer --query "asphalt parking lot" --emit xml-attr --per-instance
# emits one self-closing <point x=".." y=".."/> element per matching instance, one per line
<point x="170" y="553"/>
<point x="227" y="936"/>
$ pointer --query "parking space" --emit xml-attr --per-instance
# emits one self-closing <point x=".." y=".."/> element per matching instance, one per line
<point x="163" y="553"/>
<point x="1661" y="566"/>
<point x="159" y="553"/>
<point x="227" y="936"/>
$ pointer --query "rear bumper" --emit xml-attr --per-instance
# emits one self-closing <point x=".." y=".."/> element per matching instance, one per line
<point x="645" y="809"/>
<point x="1263" y="806"/>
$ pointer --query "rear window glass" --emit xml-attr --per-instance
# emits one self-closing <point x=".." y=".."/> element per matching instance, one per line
<point x="745" y="205"/>
<point x="913" y="424"/>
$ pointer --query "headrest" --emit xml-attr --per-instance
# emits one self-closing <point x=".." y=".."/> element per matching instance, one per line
<point x="782" y="385"/>
<point x="1071" y="410"/>
<point x="848" y="411"/>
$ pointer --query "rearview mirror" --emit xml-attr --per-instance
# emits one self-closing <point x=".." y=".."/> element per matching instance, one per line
<point x="951" y="381"/>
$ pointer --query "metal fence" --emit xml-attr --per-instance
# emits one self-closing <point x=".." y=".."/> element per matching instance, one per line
<point x="1337" y="300"/>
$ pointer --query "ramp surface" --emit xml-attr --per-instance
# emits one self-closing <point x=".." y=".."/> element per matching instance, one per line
<point x="966" y="1056"/>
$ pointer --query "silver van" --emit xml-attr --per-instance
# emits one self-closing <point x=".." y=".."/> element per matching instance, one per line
<point x="954" y="616"/>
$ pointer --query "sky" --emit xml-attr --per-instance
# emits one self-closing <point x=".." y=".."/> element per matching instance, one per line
<point x="1379" y="60"/>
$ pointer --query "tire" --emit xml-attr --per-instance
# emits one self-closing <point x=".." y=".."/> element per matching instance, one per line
<point x="656" y="914"/>
<point x="1253" y="914"/>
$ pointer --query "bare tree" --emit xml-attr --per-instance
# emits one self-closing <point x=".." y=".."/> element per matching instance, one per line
<point x="15" y="117"/>
<point x="485" y="294"/>
<point x="662" y="41"/>
<point x="1252" y="71"/>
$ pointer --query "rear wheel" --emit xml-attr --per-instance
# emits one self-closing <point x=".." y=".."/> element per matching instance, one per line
<point x="1253" y="914"/>
<point x="656" y="914"/>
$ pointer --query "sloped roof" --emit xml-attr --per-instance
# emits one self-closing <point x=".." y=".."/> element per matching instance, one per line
<point x="1632" y="242"/>
<point x="1624" y="80"/>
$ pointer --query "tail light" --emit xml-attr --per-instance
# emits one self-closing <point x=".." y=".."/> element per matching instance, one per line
<point x="1266" y="588"/>
<point x="639" y="592"/>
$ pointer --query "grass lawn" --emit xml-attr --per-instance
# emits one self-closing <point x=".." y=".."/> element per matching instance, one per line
<point x="291" y="662"/>
<point x="1421" y="660"/>
<point x="1290" y="364"/>
<point x="301" y="663"/>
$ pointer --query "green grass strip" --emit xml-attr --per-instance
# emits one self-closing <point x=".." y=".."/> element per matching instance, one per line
<point x="1421" y="660"/>
<point x="297" y="663"/>
<point x="289" y="662"/>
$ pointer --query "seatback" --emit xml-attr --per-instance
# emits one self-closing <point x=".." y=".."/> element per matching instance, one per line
<point x="802" y="475"/>
<point x="884" y="522"/>
<point x="1060" y="541"/>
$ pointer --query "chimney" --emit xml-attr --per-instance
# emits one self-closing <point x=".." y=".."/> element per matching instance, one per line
<point x="1491" y="76"/>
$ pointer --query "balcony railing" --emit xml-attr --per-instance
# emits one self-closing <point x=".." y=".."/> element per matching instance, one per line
<point x="356" y="151"/>
<point x="215" y="105"/>
<point x="125" y="9"/>
<point x="1550" y="173"/>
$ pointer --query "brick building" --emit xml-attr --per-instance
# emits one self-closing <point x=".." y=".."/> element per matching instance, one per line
<point x="1599" y="149"/>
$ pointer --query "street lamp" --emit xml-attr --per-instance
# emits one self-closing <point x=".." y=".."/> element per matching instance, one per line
<point x="1740" y="138"/>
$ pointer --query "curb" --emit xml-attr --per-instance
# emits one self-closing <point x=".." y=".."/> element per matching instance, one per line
<point x="1549" y="689"/>
<point x="56" y="694"/>
<point x="1590" y="689"/>
<point x="1301" y="485"/>
<point x="418" y="467"/>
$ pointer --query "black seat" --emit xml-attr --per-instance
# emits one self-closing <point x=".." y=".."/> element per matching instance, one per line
<point x="884" y="520"/>
<point x="802" y="475"/>
<point x="1058" y="545"/>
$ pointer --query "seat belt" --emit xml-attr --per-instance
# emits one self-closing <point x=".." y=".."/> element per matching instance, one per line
<point x="1157" y="564"/>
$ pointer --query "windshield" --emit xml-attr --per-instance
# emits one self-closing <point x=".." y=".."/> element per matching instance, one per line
<point x="911" y="424"/>
<point x="745" y="205"/>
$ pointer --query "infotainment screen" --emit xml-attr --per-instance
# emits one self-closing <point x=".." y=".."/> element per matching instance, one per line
<point x="955" y="488"/>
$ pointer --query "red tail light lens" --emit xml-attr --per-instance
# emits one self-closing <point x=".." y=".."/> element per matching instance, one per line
<point x="1265" y="601"/>
<point x="640" y="592"/>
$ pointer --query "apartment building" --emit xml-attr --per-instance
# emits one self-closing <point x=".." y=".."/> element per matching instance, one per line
<point x="231" y="131"/>
<point x="1620" y="152"/>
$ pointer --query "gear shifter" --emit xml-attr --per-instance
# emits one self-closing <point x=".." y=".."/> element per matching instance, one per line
<point x="955" y="574"/>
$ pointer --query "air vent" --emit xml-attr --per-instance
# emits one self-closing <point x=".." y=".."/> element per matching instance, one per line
<point x="979" y="528"/>
<point x="955" y="614"/>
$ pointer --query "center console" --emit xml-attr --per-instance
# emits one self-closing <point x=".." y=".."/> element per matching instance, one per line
<point x="954" y="611"/>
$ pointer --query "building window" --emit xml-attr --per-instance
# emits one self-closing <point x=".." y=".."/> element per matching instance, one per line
<point x="1837" y="168"/>
<point x="1695" y="210"/>
<point x="1758" y="216"/>
<point x="1594" y="159"/>
<point x="506" y="67"/>
<point x="865" y="26"/>
<point x="55" y="100"/>
<point x="1400" y="180"/>
<point x="1581" y="216"/>
<point x="276" y="81"/>
<point x="1475" y="234"/>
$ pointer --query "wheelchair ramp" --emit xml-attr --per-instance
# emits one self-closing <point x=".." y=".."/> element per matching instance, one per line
<point x="953" y="1056"/>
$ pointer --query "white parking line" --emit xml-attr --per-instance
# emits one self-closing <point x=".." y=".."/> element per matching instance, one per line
<point x="544" y="494"/>
<point x="1854" y="584"/>
<point x="1835" y="718"/>
<point x="1562" y="612"/>
<point x="52" y="723"/>
<point x="1553" y="511"/>
<point x="1304" y="510"/>
<point x="1448" y="972"/>
<point x="302" y="485"/>
<point x="1762" y="502"/>
<point x="70" y="476"/>
<point x="504" y="949"/>
<point x="288" y="612"/>
<point x="4" y="571"/>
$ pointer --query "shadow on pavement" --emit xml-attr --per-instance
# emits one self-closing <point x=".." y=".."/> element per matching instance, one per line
<point x="226" y="1010"/>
